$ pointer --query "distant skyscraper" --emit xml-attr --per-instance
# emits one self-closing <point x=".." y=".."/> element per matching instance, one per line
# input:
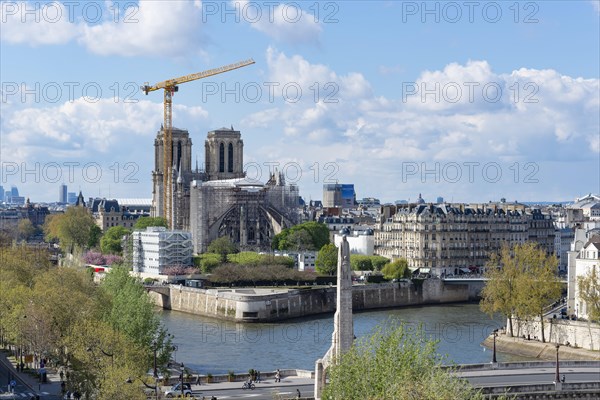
<point x="14" y="192"/>
<point x="440" y="200"/>
<point x="1" y="193"/>
<point x="62" y="194"/>
<point x="71" y="197"/>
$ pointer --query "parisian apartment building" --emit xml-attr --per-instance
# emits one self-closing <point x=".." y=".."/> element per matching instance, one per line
<point x="452" y="239"/>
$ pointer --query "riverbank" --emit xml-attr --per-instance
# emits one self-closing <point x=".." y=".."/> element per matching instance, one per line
<point x="277" y="304"/>
<point x="536" y="349"/>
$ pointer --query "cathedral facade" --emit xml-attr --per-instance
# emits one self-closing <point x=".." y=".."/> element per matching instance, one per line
<point x="219" y="200"/>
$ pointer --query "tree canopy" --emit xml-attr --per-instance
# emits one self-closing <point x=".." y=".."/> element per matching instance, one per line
<point x="522" y="281"/>
<point x="397" y="269"/>
<point x="110" y="243"/>
<point x="75" y="228"/>
<point x="326" y="262"/>
<point x="105" y="333"/>
<point x="223" y="247"/>
<point x="394" y="363"/>
<point x="144" y="222"/>
<point x="306" y="236"/>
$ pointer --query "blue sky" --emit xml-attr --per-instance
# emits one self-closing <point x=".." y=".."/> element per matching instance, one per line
<point x="472" y="101"/>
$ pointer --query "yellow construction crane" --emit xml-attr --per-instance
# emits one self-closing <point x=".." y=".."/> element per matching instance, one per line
<point x="170" y="87"/>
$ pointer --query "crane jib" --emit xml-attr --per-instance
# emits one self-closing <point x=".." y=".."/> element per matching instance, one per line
<point x="198" y="75"/>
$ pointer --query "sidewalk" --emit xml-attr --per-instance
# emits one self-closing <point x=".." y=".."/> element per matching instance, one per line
<point x="32" y="383"/>
<point x="269" y="383"/>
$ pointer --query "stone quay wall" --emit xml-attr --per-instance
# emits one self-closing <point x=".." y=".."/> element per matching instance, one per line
<point x="578" y="334"/>
<point x="263" y="305"/>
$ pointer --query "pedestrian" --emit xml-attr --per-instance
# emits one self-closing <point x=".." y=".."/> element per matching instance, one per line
<point x="563" y="379"/>
<point x="13" y="384"/>
<point x="257" y="376"/>
<point x="198" y="379"/>
<point x="298" y="392"/>
<point x="277" y="376"/>
<point x="63" y="386"/>
<point x="62" y="375"/>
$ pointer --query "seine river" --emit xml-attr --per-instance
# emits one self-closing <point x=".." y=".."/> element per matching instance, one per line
<point x="209" y="345"/>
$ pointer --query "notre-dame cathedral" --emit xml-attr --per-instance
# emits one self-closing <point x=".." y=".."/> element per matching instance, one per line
<point x="220" y="200"/>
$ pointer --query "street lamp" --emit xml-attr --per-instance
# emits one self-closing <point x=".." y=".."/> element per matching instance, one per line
<point x="155" y="348"/>
<point x="182" y="371"/>
<point x="494" y="354"/>
<point x="557" y="375"/>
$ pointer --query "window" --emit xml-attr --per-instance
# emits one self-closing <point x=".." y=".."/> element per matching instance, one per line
<point x="230" y="158"/>
<point x="221" y="157"/>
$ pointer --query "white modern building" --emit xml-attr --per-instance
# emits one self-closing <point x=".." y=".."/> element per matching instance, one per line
<point x="360" y="242"/>
<point x="157" y="248"/>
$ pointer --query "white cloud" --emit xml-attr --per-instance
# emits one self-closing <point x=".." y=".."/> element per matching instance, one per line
<point x="166" y="28"/>
<point x="542" y="119"/>
<point x="35" y="24"/>
<point x="284" y="22"/>
<point x="82" y="129"/>
<point x="161" y="28"/>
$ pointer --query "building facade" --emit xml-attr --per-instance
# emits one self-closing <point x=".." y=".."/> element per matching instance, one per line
<point x="587" y="260"/>
<point x="447" y="239"/>
<point x="157" y="248"/>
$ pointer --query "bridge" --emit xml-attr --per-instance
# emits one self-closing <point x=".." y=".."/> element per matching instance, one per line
<point x="163" y="290"/>
<point x="526" y="380"/>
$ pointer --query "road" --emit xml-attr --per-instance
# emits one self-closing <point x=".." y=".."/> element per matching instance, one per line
<point x="262" y="392"/>
<point x="21" y="390"/>
<point x="491" y="378"/>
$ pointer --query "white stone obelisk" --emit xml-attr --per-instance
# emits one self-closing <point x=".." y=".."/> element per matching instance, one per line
<point x="343" y="326"/>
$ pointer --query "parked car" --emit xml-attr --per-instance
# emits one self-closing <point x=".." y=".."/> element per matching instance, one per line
<point x="176" y="390"/>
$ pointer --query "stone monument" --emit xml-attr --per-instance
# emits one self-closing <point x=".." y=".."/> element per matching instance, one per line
<point x="343" y="326"/>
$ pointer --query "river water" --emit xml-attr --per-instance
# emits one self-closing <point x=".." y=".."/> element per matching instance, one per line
<point x="210" y="345"/>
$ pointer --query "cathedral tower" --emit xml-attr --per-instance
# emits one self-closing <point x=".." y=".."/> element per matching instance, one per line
<point x="224" y="154"/>
<point x="182" y="165"/>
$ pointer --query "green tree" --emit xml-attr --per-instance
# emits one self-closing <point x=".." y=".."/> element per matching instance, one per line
<point x="327" y="258"/>
<point x="395" y="363"/>
<point x="520" y="282"/>
<point x="111" y="242"/>
<point x="397" y="269"/>
<point x="144" y="222"/>
<point x="318" y="233"/>
<point x="102" y="359"/>
<point x="94" y="236"/>
<point x="588" y="287"/>
<point x="539" y="285"/>
<point x="75" y="228"/>
<point x="299" y="240"/>
<point x="26" y="229"/>
<point x="359" y="262"/>
<point x="223" y="247"/>
<point x="379" y="262"/>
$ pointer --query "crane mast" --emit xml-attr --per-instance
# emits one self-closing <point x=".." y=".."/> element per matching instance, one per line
<point x="170" y="87"/>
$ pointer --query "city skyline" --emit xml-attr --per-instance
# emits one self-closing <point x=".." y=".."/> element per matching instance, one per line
<point x="471" y="102"/>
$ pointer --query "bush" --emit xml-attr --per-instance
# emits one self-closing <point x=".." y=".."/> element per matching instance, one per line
<point x="259" y="275"/>
<point x="179" y="270"/>
<point x="396" y="270"/>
